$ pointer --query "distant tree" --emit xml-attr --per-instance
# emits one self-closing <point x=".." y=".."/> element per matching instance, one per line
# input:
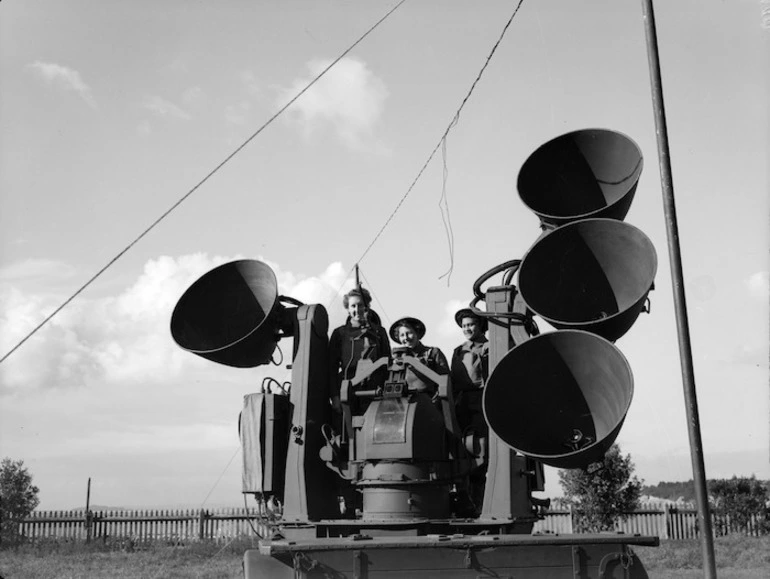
<point x="602" y="493"/>
<point x="672" y="491"/>
<point x="740" y="499"/>
<point x="18" y="498"/>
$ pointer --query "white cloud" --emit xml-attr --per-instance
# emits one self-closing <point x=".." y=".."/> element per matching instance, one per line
<point x="64" y="78"/>
<point x="144" y="128"/>
<point x="164" y="108"/>
<point x="237" y="114"/>
<point x="448" y="329"/>
<point x="193" y="96"/>
<point x="758" y="285"/>
<point x="350" y="99"/>
<point x="121" y="339"/>
<point x="250" y="82"/>
<point x="31" y="269"/>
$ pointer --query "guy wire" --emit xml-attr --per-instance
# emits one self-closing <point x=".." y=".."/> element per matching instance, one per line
<point x="201" y="182"/>
<point x="446" y="132"/>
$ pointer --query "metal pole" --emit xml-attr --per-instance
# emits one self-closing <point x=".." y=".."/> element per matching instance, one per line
<point x="680" y="305"/>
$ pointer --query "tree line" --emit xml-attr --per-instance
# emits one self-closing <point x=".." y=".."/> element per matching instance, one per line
<point x="605" y="491"/>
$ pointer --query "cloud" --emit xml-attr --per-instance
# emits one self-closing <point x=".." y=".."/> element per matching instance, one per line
<point x="448" y="329"/>
<point x="164" y="108"/>
<point x="32" y="269"/>
<point x="122" y="339"/>
<point x="64" y="78"/>
<point x="249" y="81"/>
<point x="193" y="96"/>
<point x="144" y="128"/>
<point x="237" y="114"/>
<point x="758" y="285"/>
<point x="349" y="99"/>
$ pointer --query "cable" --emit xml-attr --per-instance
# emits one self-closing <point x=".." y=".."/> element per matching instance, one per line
<point x="443" y="137"/>
<point x="248" y="520"/>
<point x="374" y="297"/>
<point x="237" y="450"/>
<point x="339" y="289"/>
<point x="202" y="181"/>
<point x="444" y="207"/>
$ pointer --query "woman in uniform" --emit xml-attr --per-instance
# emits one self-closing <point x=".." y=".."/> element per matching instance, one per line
<point x="360" y="338"/>
<point x="470" y="370"/>
<point x="408" y="332"/>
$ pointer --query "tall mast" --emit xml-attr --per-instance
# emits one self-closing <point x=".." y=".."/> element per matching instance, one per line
<point x="680" y="305"/>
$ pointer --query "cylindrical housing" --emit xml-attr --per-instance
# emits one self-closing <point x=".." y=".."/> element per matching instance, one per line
<point x="403" y="490"/>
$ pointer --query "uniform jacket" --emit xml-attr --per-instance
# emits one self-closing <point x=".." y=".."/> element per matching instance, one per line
<point x="348" y="345"/>
<point x="470" y="365"/>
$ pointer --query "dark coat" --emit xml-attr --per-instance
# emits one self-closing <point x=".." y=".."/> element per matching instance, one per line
<point x="470" y="370"/>
<point x="348" y="345"/>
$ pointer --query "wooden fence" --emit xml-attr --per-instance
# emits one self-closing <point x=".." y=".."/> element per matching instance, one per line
<point x="664" y="521"/>
<point x="144" y="525"/>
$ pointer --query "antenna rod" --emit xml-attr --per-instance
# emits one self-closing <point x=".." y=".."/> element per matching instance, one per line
<point x="358" y="281"/>
<point x="680" y="305"/>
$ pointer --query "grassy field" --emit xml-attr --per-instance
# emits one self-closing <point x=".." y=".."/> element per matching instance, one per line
<point x="737" y="558"/>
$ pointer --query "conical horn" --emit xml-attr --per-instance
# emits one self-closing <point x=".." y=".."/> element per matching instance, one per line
<point x="591" y="275"/>
<point x="588" y="173"/>
<point x="560" y="397"/>
<point x="230" y="315"/>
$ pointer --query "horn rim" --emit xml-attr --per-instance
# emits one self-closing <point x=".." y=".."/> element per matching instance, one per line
<point x="621" y="203"/>
<point x="604" y="327"/>
<point x="591" y="452"/>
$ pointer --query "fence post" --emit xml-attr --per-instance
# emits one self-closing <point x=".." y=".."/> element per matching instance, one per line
<point x="201" y="523"/>
<point x="666" y="520"/>
<point x="89" y="522"/>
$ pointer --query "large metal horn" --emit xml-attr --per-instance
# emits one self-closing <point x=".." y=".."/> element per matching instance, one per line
<point x="560" y="397"/>
<point x="591" y="275"/>
<point x="587" y="173"/>
<point x="230" y="315"/>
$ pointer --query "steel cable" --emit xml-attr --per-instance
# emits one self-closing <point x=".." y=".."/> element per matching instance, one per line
<point x="201" y="182"/>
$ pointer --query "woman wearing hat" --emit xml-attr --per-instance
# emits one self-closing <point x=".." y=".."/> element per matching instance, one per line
<point x="360" y="338"/>
<point x="470" y="369"/>
<point x="408" y="332"/>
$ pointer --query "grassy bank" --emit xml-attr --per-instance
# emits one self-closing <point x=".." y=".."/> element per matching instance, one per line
<point x="124" y="560"/>
<point x="737" y="558"/>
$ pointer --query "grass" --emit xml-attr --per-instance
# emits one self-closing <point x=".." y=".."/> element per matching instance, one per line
<point x="737" y="558"/>
<point x="124" y="559"/>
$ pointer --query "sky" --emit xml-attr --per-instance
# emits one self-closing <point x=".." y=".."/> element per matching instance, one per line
<point x="110" y="112"/>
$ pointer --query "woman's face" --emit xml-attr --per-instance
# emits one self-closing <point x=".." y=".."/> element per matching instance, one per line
<point x="357" y="309"/>
<point x="471" y="329"/>
<point x="407" y="336"/>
